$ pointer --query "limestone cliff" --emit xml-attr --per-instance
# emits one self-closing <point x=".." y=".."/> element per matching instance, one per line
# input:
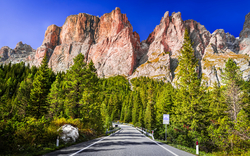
<point x="116" y="50"/>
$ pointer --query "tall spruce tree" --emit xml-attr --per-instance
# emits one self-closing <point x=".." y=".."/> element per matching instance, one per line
<point x="38" y="106"/>
<point x="74" y="86"/>
<point x="217" y="104"/>
<point x="90" y="105"/>
<point x="188" y="104"/>
<point x="163" y="105"/>
<point x="23" y="96"/>
<point x="55" y="98"/>
<point x="149" y="112"/>
<point x="233" y="92"/>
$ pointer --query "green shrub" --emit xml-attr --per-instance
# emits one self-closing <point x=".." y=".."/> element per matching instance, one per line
<point x="32" y="135"/>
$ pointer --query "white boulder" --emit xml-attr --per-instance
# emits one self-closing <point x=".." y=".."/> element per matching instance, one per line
<point x="69" y="133"/>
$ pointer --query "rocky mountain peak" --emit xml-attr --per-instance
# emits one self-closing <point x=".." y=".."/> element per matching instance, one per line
<point x="110" y="42"/>
<point x="246" y="27"/>
<point x="23" y="48"/>
<point x="51" y="37"/>
<point x="244" y="40"/>
<point x="20" y="53"/>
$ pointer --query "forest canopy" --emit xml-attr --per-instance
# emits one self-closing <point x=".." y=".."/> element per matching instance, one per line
<point x="35" y="102"/>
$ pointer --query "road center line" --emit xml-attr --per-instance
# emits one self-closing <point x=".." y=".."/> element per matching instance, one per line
<point x="92" y="144"/>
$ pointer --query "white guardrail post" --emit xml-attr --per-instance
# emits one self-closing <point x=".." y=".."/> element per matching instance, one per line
<point x="57" y="141"/>
<point x="197" y="148"/>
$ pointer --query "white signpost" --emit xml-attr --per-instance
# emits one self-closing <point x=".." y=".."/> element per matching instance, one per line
<point x="166" y="122"/>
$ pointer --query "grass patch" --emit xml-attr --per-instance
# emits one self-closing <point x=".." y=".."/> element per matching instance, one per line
<point x="187" y="149"/>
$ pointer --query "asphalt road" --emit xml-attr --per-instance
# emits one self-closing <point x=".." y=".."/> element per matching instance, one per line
<point x="126" y="142"/>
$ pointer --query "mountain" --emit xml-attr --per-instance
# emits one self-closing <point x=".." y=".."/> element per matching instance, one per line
<point x="21" y="53"/>
<point x="115" y="49"/>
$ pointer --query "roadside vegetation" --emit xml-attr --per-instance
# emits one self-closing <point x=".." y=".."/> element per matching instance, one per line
<point x="35" y="102"/>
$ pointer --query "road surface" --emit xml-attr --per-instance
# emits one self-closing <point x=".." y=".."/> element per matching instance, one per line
<point x="126" y="142"/>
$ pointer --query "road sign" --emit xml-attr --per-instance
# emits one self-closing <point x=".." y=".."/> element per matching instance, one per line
<point x="166" y="122"/>
<point x="166" y="119"/>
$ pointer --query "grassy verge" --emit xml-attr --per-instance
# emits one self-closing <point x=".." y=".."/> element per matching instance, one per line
<point x="202" y="153"/>
<point x="187" y="149"/>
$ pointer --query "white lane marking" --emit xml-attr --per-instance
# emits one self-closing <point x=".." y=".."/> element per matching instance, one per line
<point x="159" y="144"/>
<point x="93" y="144"/>
<point x="163" y="147"/>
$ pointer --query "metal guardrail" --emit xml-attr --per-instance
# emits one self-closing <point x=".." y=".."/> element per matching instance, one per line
<point x="145" y="132"/>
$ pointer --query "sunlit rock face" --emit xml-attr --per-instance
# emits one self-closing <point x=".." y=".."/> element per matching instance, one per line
<point x="76" y="36"/>
<point x="244" y="40"/>
<point x="116" y="47"/>
<point x="211" y="50"/>
<point x="223" y="46"/>
<point x="109" y="41"/>
<point x="164" y="44"/>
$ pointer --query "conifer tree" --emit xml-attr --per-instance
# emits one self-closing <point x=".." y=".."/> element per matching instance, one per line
<point x="1" y="80"/>
<point x="163" y="105"/>
<point x="141" y="117"/>
<point x="135" y="110"/>
<point x="74" y="85"/>
<point x="55" y="98"/>
<point x="128" y="109"/>
<point x="232" y="77"/>
<point x="122" y="111"/>
<point x="188" y="104"/>
<point x="90" y="103"/>
<point x="136" y="116"/>
<point x="38" y="106"/>
<point x="23" y="96"/>
<point x="149" y="111"/>
<point x="217" y="107"/>
<point x="148" y="116"/>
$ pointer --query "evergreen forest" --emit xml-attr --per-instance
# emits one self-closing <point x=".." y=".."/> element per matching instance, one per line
<point x="35" y="102"/>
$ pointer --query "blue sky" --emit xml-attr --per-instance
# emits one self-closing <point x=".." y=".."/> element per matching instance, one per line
<point x="27" y="20"/>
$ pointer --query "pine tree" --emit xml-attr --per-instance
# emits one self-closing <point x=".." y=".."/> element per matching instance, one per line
<point x="135" y="110"/>
<point x="148" y="116"/>
<point x="149" y="112"/>
<point x="128" y="109"/>
<point x="217" y="107"/>
<point x="1" y="81"/>
<point x="188" y="105"/>
<point x="90" y="104"/>
<point x="74" y="86"/>
<point x="122" y="111"/>
<point x="163" y="105"/>
<point x="55" y="98"/>
<point x="38" y="106"/>
<point x="232" y="77"/>
<point x="136" y="114"/>
<point x="23" y="96"/>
